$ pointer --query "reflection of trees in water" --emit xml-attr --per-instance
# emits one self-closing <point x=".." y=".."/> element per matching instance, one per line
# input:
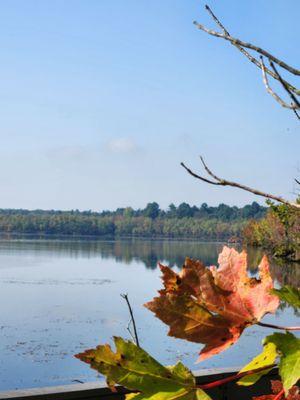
<point x="284" y="274"/>
<point x="172" y="253"/>
<point x="148" y="252"/>
<point x="287" y="273"/>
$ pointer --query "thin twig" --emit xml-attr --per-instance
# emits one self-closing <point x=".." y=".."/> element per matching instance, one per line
<point x="136" y="338"/>
<point x="297" y="114"/>
<point x="234" y="377"/>
<point x="77" y="380"/>
<point x="217" y="21"/>
<point x="129" y="330"/>
<point x="198" y="176"/>
<point x="254" y="60"/>
<point x="283" y="328"/>
<point x="248" y="45"/>
<point x="291" y="106"/>
<point x="224" y="182"/>
<point x="296" y="180"/>
<point x="292" y="96"/>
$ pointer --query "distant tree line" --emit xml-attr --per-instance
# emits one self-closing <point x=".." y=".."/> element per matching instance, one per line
<point x="222" y="212"/>
<point x="204" y="222"/>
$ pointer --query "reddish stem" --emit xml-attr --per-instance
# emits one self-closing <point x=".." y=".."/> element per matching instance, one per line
<point x="284" y="328"/>
<point x="279" y="395"/>
<point x="233" y="377"/>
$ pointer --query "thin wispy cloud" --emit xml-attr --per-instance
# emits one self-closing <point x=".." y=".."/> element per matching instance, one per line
<point x="122" y="145"/>
<point x="68" y="152"/>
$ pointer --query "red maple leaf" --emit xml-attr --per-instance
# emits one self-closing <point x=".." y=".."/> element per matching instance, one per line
<point x="214" y="305"/>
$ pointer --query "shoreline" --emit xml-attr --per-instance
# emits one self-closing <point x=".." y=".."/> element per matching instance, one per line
<point x="50" y="236"/>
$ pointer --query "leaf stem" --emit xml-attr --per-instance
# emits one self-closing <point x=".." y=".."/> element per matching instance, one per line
<point x="136" y="338"/>
<point x="284" y="328"/>
<point x="279" y="395"/>
<point x="233" y="377"/>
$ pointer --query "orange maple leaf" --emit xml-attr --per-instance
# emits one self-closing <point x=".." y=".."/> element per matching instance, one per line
<point x="214" y="305"/>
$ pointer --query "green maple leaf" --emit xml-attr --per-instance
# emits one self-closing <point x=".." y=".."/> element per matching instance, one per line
<point x="265" y="358"/>
<point x="288" y="348"/>
<point x="289" y="294"/>
<point x="134" y="368"/>
<point x="197" y="395"/>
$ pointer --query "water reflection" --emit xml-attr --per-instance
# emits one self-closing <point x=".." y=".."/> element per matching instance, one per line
<point x="285" y="273"/>
<point x="125" y="251"/>
<point x="70" y="296"/>
<point x="147" y="252"/>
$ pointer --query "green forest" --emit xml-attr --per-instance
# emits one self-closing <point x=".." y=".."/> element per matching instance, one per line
<point x="204" y="222"/>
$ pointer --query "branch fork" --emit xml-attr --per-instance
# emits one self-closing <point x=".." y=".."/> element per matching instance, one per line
<point x="224" y="182"/>
<point x="291" y="90"/>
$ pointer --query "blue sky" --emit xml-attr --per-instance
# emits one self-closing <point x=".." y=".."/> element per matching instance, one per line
<point x="100" y="100"/>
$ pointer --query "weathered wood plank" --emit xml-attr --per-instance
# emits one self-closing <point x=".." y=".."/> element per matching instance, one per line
<point x="99" y="391"/>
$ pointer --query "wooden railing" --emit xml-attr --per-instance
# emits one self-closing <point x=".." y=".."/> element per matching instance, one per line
<point x="99" y="391"/>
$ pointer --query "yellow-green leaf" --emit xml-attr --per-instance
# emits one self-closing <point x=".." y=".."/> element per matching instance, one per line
<point x="134" y="368"/>
<point x="197" y="394"/>
<point x="201" y="395"/>
<point x="289" y="294"/>
<point x="265" y="358"/>
<point x="181" y="394"/>
<point x="288" y="347"/>
<point x="131" y="396"/>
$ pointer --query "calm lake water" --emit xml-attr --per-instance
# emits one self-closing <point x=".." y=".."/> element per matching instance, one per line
<point x="59" y="297"/>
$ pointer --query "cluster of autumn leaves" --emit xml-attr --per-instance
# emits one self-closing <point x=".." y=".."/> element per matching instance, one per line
<point x="211" y="306"/>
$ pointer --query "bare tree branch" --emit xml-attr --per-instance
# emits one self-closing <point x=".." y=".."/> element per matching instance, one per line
<point x="246" y="53"/>
<point x="290" y="89"/>
<point x="297" y="114"/>
<point x="225" y="182"/>
<point x="291" y="106"/>
<point x="296" y="180"/>
<point x="240" y="46"/>
<point x="136" y="338"/>
<point x="248" y="45"/>
<point x="292" y="96"/>
<point x="284" y="328"/>
<point x="198" y="176"/>
<point x="217" y="21"/>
